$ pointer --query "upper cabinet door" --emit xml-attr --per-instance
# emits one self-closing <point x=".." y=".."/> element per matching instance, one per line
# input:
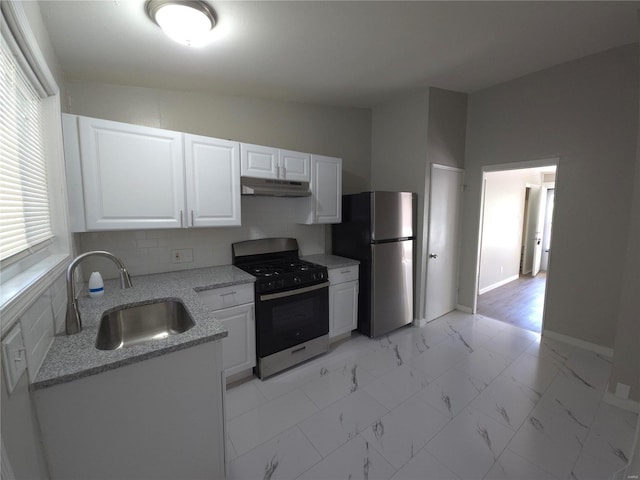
<point x="258" y="161"/>
<point x="213" y="181"/>
<point x="133" y="175"/>
<point x="295" y="166"/>
<point x="326" y="189"/>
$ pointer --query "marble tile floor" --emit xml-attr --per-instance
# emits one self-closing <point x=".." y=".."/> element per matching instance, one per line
<point x="464" y="397"/>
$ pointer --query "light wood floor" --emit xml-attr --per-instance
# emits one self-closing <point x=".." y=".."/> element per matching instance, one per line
<point x="519" y="303"/>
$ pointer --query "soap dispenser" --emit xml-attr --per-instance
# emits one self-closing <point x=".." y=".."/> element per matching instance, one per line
<point x="96" y="285"/>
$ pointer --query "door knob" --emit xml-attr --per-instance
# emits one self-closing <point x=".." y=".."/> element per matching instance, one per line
<point x="433" y="255"/>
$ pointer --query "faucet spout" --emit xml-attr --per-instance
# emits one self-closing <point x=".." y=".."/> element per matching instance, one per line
<point x="73" y="322"/>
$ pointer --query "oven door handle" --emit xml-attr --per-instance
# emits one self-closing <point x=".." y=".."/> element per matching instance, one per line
<point x="289" y="293"/>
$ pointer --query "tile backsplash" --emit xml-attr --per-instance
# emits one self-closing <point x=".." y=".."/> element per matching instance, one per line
<point x="150" y="251"/>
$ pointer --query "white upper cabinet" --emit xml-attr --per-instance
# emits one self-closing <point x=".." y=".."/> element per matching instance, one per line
<point x="294" y="166"/>
<point x="133" y="176"/>
<point x="267" y="162"/>
<point x="258" y="161"/>
<point x="213" y="181"/>
<point x="325" y="203"/>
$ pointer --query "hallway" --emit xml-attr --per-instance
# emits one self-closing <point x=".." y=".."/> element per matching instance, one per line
<point x="519" y="303"/>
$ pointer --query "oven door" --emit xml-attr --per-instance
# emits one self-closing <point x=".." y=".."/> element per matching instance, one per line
<point x="288" y="318"/>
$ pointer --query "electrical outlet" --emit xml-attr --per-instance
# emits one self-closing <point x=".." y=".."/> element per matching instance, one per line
<point x="184" y="255"/>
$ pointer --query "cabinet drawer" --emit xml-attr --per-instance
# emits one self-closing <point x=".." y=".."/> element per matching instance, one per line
<point x="341" y="275"/>
<point x="224" y="297"/>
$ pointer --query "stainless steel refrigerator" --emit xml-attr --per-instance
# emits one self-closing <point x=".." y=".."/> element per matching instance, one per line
<point x="378" y="229"/>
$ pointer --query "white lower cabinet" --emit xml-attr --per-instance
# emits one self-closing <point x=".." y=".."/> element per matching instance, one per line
<point x="234" y="308"/>
<point x="343" y="300"/>
<point x="239" y="348"/>
<point x="159" y="418"/>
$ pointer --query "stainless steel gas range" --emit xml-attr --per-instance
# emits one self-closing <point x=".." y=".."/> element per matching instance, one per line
<point x="292" y="303"/>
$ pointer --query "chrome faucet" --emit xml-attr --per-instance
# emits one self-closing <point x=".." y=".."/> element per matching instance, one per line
<point x="73" y="322"/>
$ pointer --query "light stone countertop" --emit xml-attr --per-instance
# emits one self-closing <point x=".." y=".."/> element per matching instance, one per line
<point x="75" y="356"/>
<point x="330" y="261"/>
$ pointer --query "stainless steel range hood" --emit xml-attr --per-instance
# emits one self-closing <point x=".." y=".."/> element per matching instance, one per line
<point x="274" y="188"/>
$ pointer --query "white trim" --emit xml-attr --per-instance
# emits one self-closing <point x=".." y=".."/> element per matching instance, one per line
<point x="16" y="18"/>
<point x="21" y="291"/>
<point x="419" y="322"/>
<point x="24" y="282"/>
<point x="464" y="308"/>
<point x="543" y="162"/>
<point x="447" y="167"/>
<point x="576" y="342"/>
<point x="498" y="284"/>
<point x="623" y="403"/>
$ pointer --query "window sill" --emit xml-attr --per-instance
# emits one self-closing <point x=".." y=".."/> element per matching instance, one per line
<point x="18" y="293"/>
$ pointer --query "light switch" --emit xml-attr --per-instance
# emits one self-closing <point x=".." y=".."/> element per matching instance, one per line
<point x="14" y="357"/>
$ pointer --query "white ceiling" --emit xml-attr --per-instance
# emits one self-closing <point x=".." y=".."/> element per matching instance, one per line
<point x="341" y="53"/>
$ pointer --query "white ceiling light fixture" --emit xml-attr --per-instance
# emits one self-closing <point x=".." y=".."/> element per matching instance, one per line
<point x="186" y="22"/>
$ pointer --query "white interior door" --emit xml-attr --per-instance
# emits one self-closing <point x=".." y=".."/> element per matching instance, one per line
<point x="444" y="239"/>
<point x="539" y="210"/>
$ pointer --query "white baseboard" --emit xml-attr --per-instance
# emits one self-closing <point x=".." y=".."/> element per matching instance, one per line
<point x="464" y="308"/>
<point x="623" y="403"/>
<point x="576" y="342"/>
<point x="499" y="284"/>
<point x="339" y="338"/>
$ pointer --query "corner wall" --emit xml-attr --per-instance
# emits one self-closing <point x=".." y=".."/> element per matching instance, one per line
<point x="585" y="113"/>
<point x="626" y="354"/>
<point x="408" y="134"/>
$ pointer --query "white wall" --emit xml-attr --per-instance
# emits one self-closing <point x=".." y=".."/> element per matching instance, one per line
<point x="585" y="112"/>
<point x="504" y="202"/>
<point x="626" y="354"/>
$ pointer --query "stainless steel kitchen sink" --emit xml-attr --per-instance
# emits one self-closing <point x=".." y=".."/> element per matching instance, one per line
<point x="133" y="325"/>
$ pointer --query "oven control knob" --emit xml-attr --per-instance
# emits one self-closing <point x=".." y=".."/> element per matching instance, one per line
<point x="296" y="280"/>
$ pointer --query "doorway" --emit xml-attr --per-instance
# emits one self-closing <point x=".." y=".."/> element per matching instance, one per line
<point x="515" y="244"/>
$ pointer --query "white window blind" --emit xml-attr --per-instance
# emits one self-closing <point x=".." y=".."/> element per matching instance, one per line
<point x="25" y="220"/>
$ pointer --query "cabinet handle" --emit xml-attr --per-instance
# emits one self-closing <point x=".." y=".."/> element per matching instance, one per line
<point x="346" y="271"/>
<point x="181" y="220"/>
<point x="228" y="293"/>
<point x="192" y="223"/>
<point x="278" y="171"/>
<point x="284" y="172"/>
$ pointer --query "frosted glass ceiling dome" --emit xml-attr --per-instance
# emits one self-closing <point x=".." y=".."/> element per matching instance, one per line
<point x="186" y="22"/>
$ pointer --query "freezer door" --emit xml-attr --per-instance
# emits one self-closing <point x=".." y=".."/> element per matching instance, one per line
<point x="392" y="215"/>
<point x="392" y="286"/>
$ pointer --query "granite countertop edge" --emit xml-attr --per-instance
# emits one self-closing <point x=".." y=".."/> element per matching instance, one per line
<point x="72" y="357"/>
<point x="330" y="261"/>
